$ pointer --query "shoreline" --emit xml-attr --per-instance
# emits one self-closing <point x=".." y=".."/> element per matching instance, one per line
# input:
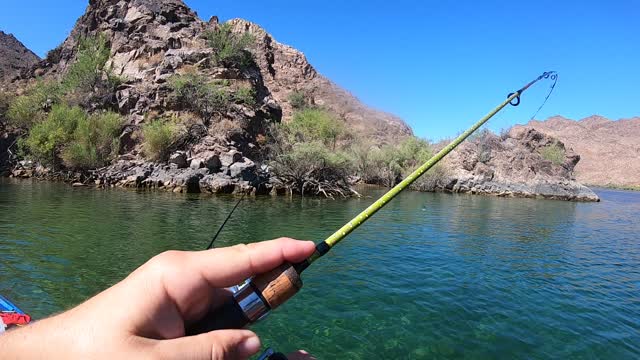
<point x="251" y="191"/>
<point x="615" y="187"/>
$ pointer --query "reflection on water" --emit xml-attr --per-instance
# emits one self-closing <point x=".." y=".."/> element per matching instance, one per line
<point x="431" y="276"/>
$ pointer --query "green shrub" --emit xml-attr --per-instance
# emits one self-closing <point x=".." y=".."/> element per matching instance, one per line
<point x="483" y="139"/>
<point x="304" y="157"/>
<point x="315" y="125"/>
<point x="95" y="141"/>
<point x="311" y="168"/>
<point x="230" y="49"/>
<point x="29" y="109"/>
<point x="246" y="95"/>
<point x="88" y="82"/>
<point x="5" y="101"/>
<point x="88" y="69"/>
<point x="158" y="138"/>
<point x="193" y="92"/>
<point x="46" y="137"/>
<point x="298" y="100"/>
<point x="554" y="153"/>
<point x="82" y="141"/>
<point x="386" y="165"/>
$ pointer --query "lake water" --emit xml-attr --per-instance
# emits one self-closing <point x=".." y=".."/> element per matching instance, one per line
<point x="430" y="276"/>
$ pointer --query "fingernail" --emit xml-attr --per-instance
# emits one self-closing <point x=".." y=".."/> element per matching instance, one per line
<point x="250" y="345"/>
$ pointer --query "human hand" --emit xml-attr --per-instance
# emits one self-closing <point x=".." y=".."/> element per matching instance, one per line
<point x="145" y="315"/>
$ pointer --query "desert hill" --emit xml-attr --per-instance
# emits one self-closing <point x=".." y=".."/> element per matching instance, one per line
<point x="609" y="150"/>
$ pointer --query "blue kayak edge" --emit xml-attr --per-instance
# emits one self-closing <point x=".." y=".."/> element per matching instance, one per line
<point x="8" y="306"/>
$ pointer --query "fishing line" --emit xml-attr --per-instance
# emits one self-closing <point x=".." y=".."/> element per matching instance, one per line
<point x="554" y="77"/>
<point x="225" y="222"/>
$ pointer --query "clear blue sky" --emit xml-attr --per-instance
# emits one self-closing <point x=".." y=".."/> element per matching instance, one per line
<point x="440" y="65"/>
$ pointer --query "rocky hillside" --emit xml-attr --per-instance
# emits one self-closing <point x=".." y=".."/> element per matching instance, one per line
<point x="150" y="42"/>
<point x="14" y="57"/>
<point x="515" y="165"/>
<point x="286" y="70"/>
<point x="609" y="150"/>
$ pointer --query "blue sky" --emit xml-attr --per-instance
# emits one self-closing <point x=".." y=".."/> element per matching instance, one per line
<point x="440" y="65"/>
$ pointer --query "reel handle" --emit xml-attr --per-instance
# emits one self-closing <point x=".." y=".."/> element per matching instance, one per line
<point x="252" y="301"/>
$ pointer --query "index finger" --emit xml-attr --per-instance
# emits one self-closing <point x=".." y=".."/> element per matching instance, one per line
<point x="229" y="266"/>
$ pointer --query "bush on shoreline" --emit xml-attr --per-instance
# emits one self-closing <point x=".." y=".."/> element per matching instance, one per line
<point x="95" y="141"/>
<point x="69" y="134"/>
<point x="304" y="158"/>
<point x="315" y="149"/>
<point x="387" y="165"/>
<point x="60" y="131"/>
<point x="158" y="137"/>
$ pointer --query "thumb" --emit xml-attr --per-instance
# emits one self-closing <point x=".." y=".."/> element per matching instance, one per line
<point x="215" y="345"/>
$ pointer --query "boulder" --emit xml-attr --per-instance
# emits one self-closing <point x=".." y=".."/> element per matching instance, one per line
<point x="243" y="170"/>
<point x="217" y="184"/>
<point x="179" y="159"/>
<point x="196" y="164"/>
<point x="212" y="162"/>
<point x="230" y="157"/>
<point x="127" y="140"/>
<point x="189" y="181"/>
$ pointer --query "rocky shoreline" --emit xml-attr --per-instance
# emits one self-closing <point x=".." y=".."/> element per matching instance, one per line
<point x="223" y="146"/>
<point x="507" y="166"/>
<point x="226" y="173"/>
<point x="162" y="177"/>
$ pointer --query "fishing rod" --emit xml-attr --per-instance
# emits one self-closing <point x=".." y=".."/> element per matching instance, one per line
<point x="265" y="292"/>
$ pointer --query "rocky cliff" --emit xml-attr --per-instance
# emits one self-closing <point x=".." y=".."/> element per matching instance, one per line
<point x="609" y="150"/>
<point x="151" y="41"/>
<point x="513" y="165"/>
<point x="14" y="57"/>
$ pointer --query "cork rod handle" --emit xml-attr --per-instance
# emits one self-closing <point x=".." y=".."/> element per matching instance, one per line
<point x="273" y="288"/>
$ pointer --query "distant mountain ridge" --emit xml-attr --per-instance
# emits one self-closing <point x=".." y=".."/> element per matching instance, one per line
<point x="14" y="57"/>
<point x="609" y="150"/>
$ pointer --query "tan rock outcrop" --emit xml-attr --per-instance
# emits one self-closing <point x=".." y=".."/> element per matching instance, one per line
<point x="512" y="165"/>
<point x="609" y="150"/>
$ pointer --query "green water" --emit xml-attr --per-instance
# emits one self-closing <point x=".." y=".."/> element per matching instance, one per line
<point x="431" y="276"/>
